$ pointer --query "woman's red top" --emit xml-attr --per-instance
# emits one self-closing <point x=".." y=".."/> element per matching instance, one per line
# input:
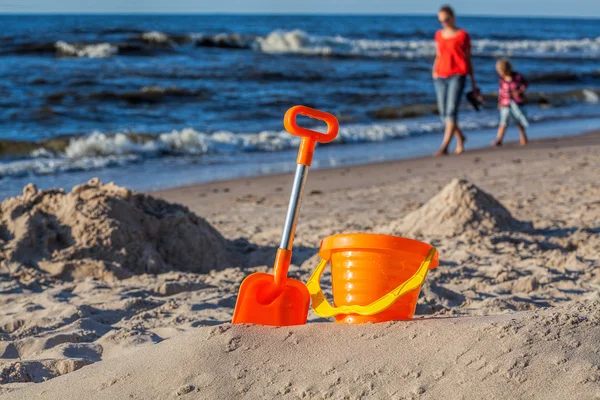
<point x="452" y="54"/>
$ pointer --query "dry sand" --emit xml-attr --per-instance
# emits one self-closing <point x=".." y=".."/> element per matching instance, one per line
<point x="518" y="230"/>
<point x="550" y="354"/>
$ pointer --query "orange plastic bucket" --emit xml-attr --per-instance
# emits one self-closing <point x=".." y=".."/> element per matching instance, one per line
<point x="366" y="267"/>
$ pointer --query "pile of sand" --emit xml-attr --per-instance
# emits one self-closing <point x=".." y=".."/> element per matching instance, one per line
<point x="94" y="273"/>
<point x="544" y="354"/>
<point x="106" y="231"/>
<point x="458" y="208"/>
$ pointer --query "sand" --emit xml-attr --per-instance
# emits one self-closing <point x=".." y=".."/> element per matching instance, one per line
<point x="511" y="312"/>
<point x="460" y="207"/>
<point x="549" y="354"/>
<point x="108" y="232"/>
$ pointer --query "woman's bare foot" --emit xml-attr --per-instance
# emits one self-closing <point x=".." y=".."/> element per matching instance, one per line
<point x="441" y="152"/>
<point x="524" y="142"/>
<point x="460" y="146"/>
<point x="497" y="143"/>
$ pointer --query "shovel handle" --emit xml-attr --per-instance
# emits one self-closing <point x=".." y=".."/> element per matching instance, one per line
<point x="309" y="137"/>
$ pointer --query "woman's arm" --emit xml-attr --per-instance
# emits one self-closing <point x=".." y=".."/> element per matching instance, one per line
<point x="469" y="57"/>
<point x="470" y="70"/>
<point x="434" y="74"/>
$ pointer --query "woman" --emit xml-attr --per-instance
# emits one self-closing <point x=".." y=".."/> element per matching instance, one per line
<point x="451" y="66"/>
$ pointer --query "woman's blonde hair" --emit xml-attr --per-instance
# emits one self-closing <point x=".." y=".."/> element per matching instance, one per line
<point x="505" y="66"/>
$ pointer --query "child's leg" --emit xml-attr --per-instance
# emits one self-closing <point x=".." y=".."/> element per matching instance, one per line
<point x="500" y="137"/>
<point x="523" y="135"/>
<point x="504" y="114"/>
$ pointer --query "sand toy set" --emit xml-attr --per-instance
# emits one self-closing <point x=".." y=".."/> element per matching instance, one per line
<point x="375" y="278"/>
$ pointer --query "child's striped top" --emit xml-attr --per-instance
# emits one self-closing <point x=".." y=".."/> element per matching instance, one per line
<point x="507" y="90"/>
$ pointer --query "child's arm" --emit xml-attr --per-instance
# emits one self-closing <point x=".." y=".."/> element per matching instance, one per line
<point x="499" y="93"/>
<point x="524" y="84"/>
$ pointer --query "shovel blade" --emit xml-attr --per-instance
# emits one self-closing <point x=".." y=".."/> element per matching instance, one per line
<point x="290" y="307"/>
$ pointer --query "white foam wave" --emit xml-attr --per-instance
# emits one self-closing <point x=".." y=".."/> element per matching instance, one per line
<point x="300" y="42"/>
<point x="156" y="37"/>
<point x="99" y="150"/>
<point x="585" y="48"/>
<point x="57" y="165"/>
<point x="99" y="144"/>
<point x="99" y="50"/>
<point x="591" y="96"/>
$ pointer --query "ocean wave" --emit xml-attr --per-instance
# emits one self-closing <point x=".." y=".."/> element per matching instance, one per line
<point x="302" y="43"/>
<point x="162" y="39"/>
<point x="543" y="99"/>
<point x="100" y="150"/>
<point x="145" y="95"/>
<point x="574" y="48"/>
<point x="83" y="50"/>
<point x="98" y="50"/>
<point x="563" y="77"/>
<point x="220" y="40"/>
<point x="156" y="37"/>
<point x="120" y="31"/>
<point x="225" y="40"/>
<point x="152" y="94"/>
<point x="30" y="49"/>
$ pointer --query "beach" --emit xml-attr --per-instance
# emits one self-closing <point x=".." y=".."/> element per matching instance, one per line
<point x="511" y="311"/>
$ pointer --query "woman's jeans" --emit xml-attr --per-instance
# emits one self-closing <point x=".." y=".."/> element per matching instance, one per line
<point x="449" y="93"/>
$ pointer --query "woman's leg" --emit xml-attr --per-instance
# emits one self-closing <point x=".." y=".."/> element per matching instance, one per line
<point x="441" y="90"/>
<point x="455" y="92"/>
<point x="460" y="139"/>
<point x="447" y="137"/>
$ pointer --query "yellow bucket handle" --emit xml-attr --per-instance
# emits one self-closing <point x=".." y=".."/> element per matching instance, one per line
<point x="323" y="309"/>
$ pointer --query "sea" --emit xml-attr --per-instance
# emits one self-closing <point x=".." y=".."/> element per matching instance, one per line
<point x="159" y="101"/>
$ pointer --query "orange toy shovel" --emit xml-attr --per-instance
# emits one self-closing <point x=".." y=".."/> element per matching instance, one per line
<point x="277" y="300"/>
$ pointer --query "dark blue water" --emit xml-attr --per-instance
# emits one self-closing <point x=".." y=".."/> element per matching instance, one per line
<point x="194" y="85"/>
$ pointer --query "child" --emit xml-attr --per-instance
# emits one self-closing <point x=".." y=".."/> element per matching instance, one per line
<point x="511" y="101"/>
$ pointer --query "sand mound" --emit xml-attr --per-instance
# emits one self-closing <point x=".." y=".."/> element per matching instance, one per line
<point x="106" y="231"/>
<point x="460" y="207"/>
<point x="544" y="354"/>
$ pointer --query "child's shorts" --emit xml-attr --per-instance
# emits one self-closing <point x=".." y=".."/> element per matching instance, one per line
<point x="514" y="112"/>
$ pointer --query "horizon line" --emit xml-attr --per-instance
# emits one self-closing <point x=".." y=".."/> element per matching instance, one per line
<point x="244" y="13"/>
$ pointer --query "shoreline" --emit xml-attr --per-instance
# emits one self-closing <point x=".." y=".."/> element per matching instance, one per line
<point x="374" y="173"/>
<point x="163" y="173"/>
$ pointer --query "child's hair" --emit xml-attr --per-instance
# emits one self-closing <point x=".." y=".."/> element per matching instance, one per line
<point x="505" y="66"/>
<point x="448" y="10"/>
